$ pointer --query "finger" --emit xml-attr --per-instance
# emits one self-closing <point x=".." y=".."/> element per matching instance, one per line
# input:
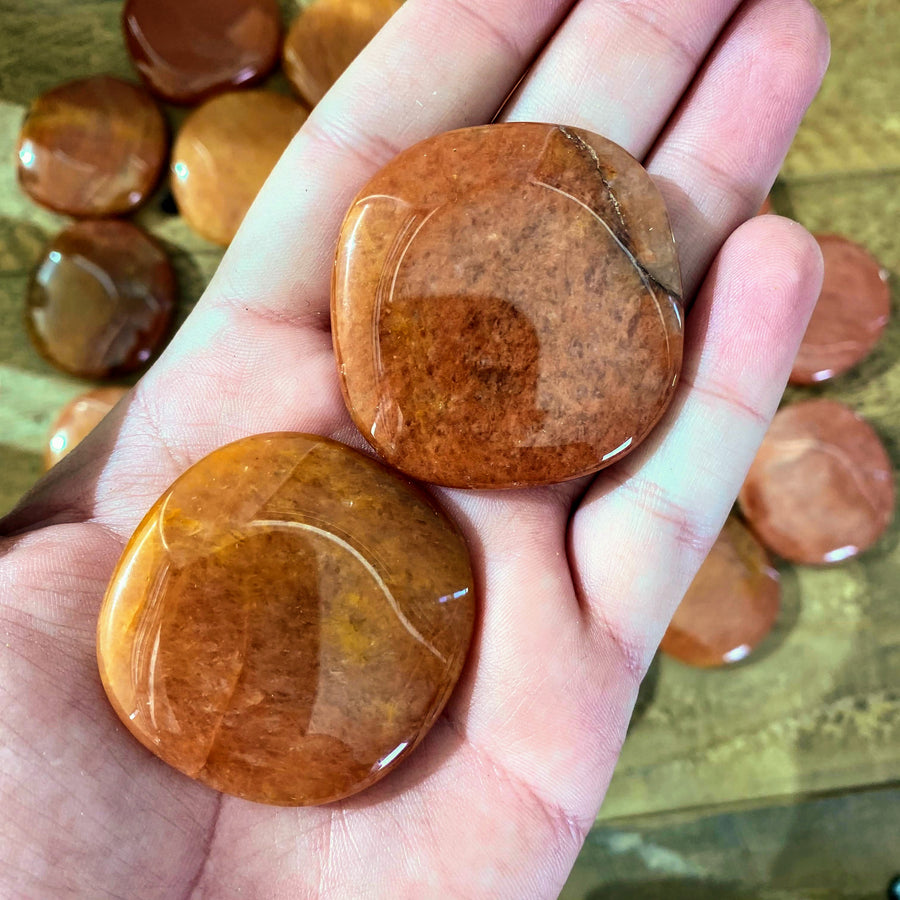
<point x="719" y="155"/>
<point x="244" y="362"/>
<point x="619" y="68"/>
<point x="437" y="65"/>
<point x="646" y="524"/>
<point x="536" y="698"/>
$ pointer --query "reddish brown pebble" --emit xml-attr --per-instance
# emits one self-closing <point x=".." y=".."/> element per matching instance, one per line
<point x="186" y="50"/>
<point x="731" y="604"/>
<point x="766" y="207"/>
<point x="850" y="315"/>
<point x="821" y="488"/>
<point x="91" y="148"/>
<point x="506" y="306"/>
<point x="288" y="621"/>
<point x="77" y="419"/>
<point x="326" y="37"/>
<point x="101" y="299"/>
<point x="223" y="155"/>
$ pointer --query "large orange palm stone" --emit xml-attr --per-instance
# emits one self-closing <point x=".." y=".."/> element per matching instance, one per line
<point x="288" y="621"/>
<point x="507" y="306"/>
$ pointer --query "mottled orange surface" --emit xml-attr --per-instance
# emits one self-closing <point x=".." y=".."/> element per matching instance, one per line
<point x="326" y="37"/>
<point x="224" y="153"/>
<point x="506" y="306"/>
<point x="94" y="147"/>
<point x="731" y="605"/>
<point x="288" y="620"/>
<point x="821" y="488"/>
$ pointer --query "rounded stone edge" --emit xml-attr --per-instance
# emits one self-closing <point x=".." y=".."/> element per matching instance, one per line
<point x="149" y="517"/>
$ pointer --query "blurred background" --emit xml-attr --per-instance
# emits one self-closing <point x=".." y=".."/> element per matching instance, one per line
<point x="775" y="778"/>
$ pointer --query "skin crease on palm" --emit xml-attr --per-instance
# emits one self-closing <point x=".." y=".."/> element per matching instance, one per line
<point x="576" y="582"/>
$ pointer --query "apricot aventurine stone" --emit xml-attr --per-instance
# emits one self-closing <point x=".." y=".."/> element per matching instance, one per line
<point x="507" y="306"/>
<point x="288" y="620"/>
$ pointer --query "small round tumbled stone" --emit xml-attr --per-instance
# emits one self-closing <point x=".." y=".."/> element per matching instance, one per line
<point x="94" y="147"/>
<point x="186" y="50"/>
<point x="850" y="315"/>
<point x="731" y="605"/>
<point x="77" y="419"/>
<point x="326" y="37"/>
<point x="506" y="306"/>
<point x="821" y="488"/>
<point x="101" y="299"/>
<point x="223" y="155"/>
<point x="288" y="620"/>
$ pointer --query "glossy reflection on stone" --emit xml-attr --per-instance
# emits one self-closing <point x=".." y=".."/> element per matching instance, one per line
<point x="288" y="621"/>
<point x="731" y="605"/>
<point x="821" y="488"/>
<point x="186" y="50"/>
<point x="326" y="37"/>
<point x="101" y="300"/>
<point x="506" y="306"/>
<point x="850" y="315"/>
<point x="77" y="419"/>
<point x="223" y="155"/>
<point x="94" y="147"/>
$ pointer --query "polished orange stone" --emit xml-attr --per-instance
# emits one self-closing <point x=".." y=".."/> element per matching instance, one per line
<point x="731" y="605"/>
<point x="850" y="315"/>
<point x="94" y="147"/>
<point x="506" y="306"/>
<point x="101" y="299"/>
<point x="223" y="155"/>
<point x="326" y="37"/>
<point x="821" y="488"/>
<point x="288" y="620"/>
<point x="77" y="419"/>
<point x="186" y="50"/>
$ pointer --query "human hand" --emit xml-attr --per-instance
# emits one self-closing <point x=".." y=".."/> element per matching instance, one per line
<point x="575" y="582"/>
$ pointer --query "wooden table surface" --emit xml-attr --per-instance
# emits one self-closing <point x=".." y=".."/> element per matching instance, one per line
<point x="818" y="710"/>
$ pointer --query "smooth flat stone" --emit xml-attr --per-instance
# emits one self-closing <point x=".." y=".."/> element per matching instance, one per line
<point x="288" y="620"/>
<point x="731" y="605"/>
<point x="94" y="147"/>
<point x="506" y="306"/>
<point x="821" y="488"/>
<point x="851" y="313"/>
<point x="223" y="155"/>
<point x="186" y="50"/>
<point x="326" y="37"/>
<point x="77" y="419"/>
<point x="101" y="299"/>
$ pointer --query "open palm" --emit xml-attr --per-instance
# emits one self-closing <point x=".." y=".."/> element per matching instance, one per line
<point x="576" y="582"/>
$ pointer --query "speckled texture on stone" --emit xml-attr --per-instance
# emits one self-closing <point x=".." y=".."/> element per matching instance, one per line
<point x="506" y="306"/>
<point x="821" y="488"/>
<point x="731" y="605"/>
<point x="288" y="620"/>
<point x="94" y="147"/>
